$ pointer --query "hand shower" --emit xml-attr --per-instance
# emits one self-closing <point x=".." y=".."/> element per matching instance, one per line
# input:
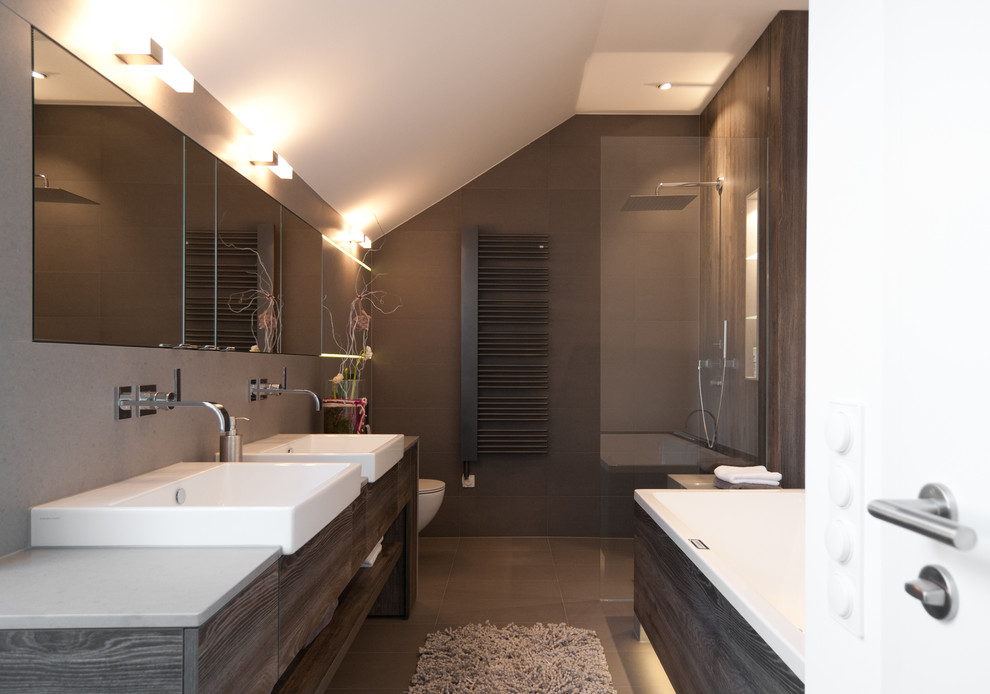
<point x="721" y="388"/>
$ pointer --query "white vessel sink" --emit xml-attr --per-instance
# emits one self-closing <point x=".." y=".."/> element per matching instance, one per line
<point x="203" y="504"/>
<point x="376" y="453"/>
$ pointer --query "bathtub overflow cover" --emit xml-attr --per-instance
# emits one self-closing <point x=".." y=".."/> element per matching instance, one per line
<point x="180" y="496"/>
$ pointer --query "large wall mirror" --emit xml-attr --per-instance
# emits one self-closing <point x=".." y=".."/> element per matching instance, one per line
<point x="144" y="238"/>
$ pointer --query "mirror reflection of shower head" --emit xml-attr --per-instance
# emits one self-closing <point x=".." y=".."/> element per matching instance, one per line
<point x="48" y="194"/>
<point x="658" y="203"/>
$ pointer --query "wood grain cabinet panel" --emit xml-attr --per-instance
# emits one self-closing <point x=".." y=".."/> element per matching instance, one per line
<point x="705" y="645"/>
<point x="309" y="583"/>
<point x="131" y="661"/>
<point x="382" y="505"/>
<point x="399" y="592"/>
<point x="237" y="649"/>
<point x="359" y="530"/>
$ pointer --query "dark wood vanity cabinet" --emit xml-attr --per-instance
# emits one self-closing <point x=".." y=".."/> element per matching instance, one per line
<point x="384" y="511"/>
<point x="235" y="650"/>
<point x="287" y="631"/>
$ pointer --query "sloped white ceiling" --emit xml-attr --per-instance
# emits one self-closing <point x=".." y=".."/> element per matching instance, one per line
<point x="387" y="106"/>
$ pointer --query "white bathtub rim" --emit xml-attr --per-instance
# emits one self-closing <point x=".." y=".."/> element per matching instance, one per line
<point x="786" y="639"/>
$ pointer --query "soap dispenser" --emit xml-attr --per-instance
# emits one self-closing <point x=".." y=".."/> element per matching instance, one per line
<point x="230" y="443"/>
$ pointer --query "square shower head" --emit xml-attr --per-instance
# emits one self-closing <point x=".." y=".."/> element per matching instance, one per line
<point x="656" y="203"/>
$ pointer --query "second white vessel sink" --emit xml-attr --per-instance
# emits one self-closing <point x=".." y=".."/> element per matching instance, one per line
<point x="203" y="504"/>
<point x="375" y="453"/>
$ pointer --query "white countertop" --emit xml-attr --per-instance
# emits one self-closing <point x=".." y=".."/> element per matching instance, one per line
<point x="55" y="588"/>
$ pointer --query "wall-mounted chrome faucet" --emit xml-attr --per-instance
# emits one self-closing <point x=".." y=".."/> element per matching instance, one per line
<point x="260" y="389"/>
<point x="149" y="400"/>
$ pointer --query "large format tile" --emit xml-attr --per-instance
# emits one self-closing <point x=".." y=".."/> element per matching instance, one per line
<point x="466" y="590"/>
<point x="513" y="612"/>
<point x="372" y="671"/>
<point x="494" y="545"/>
<point x="388" y="635"/>
<point x="584" y="551"/>
<point x="639" y="670"/>
<point x="502" y="580"/>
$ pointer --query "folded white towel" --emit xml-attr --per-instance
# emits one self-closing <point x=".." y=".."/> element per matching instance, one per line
<point x="370" y="559"/>
<point x="751" y="474"/>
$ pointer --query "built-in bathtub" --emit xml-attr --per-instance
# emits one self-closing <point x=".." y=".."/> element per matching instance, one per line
<point x="749" y="546"/>
<point x="644" y="452"/>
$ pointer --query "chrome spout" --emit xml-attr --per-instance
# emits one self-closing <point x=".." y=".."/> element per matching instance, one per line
<point x="316" y="397"/>
<point x="261" y="389"/>
<point x="219" y="410"/>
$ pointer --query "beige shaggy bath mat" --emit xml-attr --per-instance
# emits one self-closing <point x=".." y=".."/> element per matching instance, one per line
<point x="539" y="659"/>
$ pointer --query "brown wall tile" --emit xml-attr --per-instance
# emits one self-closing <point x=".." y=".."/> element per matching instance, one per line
<point x="552" y="187"/>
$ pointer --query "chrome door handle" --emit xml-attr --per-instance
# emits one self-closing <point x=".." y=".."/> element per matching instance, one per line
<point x="933" y="514"/>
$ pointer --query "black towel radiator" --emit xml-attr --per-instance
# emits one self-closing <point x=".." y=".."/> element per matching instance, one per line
<point x="505" y="344"/>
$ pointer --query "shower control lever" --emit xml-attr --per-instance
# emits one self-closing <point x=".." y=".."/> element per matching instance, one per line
<point x="933" y="514"/>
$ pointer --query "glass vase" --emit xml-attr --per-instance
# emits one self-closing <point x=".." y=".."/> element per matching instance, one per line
<point x="343" y="413"/>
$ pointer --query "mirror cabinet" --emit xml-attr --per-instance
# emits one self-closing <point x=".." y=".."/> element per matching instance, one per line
<point x="143" y="237"/>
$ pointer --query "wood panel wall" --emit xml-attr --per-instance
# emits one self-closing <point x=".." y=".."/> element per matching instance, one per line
<point x="760" y="115"/>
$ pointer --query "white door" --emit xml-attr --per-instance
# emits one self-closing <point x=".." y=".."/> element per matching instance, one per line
<point x="899" y="323"/>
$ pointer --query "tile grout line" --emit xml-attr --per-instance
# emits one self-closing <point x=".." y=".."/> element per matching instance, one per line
<point x="556" y="575"/>
<point x="446" y="584"/>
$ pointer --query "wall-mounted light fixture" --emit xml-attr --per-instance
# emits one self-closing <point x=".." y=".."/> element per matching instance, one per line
<point x="38" y="75"/>
<point x="664" y="86"/>
<point x="354" y="234"/>
<point x="260" y="153"/>
<point x="356" y="223"/>
<point x="346" y="252"/>
<point x="282" y="168"/>
<point x="147" y="52"/>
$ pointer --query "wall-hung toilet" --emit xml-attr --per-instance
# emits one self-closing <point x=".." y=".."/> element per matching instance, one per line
<point x="430" y="498"/>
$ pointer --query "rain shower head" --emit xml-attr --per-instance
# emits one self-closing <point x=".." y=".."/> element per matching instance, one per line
<point x="648" y="203"/>
<point x="657" y="202"/>
<point x="48" y="194"/>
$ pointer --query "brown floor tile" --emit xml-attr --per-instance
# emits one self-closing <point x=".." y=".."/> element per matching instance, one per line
<point x="431" y="571"/>
<point x="431" y="589"/>
<point x="464" y="589"/>
<point x="388" y="635"/>
<point x="580" y="589"/>
<point x="375" y="671"/>
<point x="641" y="670"/>
<point x="506" y="566"/>
<point x="498" y="601"/>
<point x="437" y="551"/>
<point x="523" y="580"/>
<point x="505" y="545"/>
<point x="425" y="610"/>
<point x="582" y="551"/>
<point x="518" y="613"/>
